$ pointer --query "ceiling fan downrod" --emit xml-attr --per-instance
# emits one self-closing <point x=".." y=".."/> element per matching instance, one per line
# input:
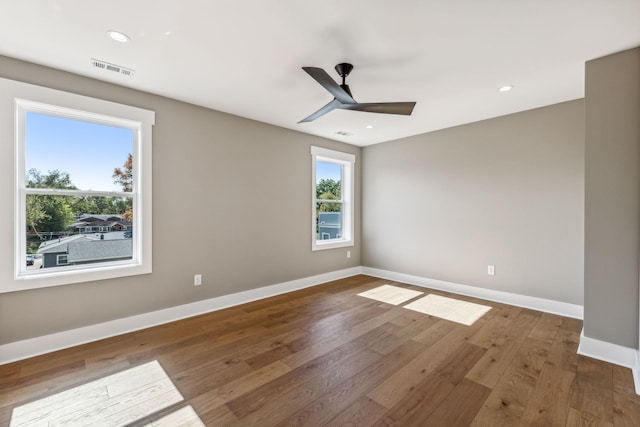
<point x="343" y="70"/>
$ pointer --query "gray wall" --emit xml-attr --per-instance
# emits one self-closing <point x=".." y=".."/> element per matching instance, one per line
<point x="220" y="185"/>
<point x="507" y="192"/>
<point x="612" y="202"/>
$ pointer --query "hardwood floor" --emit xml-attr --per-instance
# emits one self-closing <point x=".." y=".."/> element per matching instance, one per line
<point x="326" y="356"/>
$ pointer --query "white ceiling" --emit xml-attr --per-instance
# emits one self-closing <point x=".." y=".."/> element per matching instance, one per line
<point x="244" y="57"/>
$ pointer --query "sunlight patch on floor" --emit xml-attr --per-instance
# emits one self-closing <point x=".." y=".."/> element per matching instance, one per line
<point x="390" y="294"/>
<point x="450" y="309"/>
<point x="183" y="417"/>
<point x="116" y="400"/>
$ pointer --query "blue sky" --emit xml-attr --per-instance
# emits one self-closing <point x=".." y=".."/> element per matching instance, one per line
<point x="326" y="170"/>
<point x="88" y="152"/>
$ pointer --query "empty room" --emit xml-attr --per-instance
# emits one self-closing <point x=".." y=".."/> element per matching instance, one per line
<point x="418" y="213"/>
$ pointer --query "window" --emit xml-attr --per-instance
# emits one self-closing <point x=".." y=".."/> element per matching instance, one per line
<point x="82" y="165"/>
<point x="332" y="195"/>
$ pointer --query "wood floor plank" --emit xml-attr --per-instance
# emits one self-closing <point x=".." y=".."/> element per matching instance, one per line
<point x="452" y="411"/>
<point x="563" y="352"/>
<point x="360" y="414"/>
<point x="328" y="406"/>
<point x="626" y="405"/>
<point x="501" y="352"/>
<point x="244" y="384"/>
<point x="546" y="328"/>
<point x="577" y="418"/>
<point x="434" y="333"/>
<point x="393" y="389"/>
<point x="508" y="399"/>
<point x="421" y="400"/>
<point x="496" y="327"/>
<point x="548" y="404"/>
<point x="406" y="331"/>
<point x="326" y="356"/>
<point x="594" y="392"/>
<point x="323" y="362"/>
<point x="309" y="388"/>
<point x="219" y="416"/>
<point x="52" y="361"/>
<point x="318" y="348"/>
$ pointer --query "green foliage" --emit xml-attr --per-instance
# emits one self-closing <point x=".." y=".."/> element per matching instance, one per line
<point x="54" y="179"/>
<point x="48" y="212"/>
<point x="99" y="205"/>
<point x="328" y="189"/>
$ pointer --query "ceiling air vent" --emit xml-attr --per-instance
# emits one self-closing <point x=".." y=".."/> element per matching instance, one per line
<point x="344" y="133"/>
<point x="111" y="67"/>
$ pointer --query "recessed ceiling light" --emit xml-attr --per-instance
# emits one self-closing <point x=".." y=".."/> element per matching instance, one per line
<point x="118" y="36"/>
<point x="369" y="126"/>
<point x="506" y="88"/>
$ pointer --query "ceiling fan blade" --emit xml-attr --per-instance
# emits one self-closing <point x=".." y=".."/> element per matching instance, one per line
<point x="329" y="84"/>
<point x="321" y="112"/>
<point x="402" y="108"/>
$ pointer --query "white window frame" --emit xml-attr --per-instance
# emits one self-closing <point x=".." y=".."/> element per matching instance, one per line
<point x="62" y="263"/>
<point x="347" y="162"/>
<point x="31" y="98"/>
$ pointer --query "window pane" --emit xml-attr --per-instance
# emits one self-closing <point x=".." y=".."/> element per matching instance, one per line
<point x="78" y="229"/>
<point x="329" y="220"/>
<point x="76" y="154"/>
<point x="328" y="181"/>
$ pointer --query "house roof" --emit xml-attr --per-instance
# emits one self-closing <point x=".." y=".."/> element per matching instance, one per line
<point x="59" y="245"/>
<point x="64" y="243"/>
<point x="448" y="56"/>
<point x="99" y="223"/>
<point x="92" y="250"/>
<point x="100" y="216"/>
<point x="92" y="220"/>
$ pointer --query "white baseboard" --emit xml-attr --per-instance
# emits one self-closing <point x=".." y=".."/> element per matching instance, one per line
<point x="588" y="346"/>
<point x="612" y="353"/>
<point x="549" y="306"/>
<point x="45" y="344"/>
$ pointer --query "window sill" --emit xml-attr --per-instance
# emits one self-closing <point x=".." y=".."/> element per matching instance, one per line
<point x="25" y="281"/>
<point x="320" y="245"/>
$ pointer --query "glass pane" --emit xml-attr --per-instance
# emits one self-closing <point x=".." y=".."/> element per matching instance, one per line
<point x="78" y="230"/>
<point x="75" y="154"/>
<point x="328" y="181"/>
<point x="328" y="220"/>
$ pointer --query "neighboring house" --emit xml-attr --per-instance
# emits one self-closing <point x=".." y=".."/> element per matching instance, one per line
<point x="88" y="223"/>
<point x="83" y="249"/>
<point x="329" y="225"/>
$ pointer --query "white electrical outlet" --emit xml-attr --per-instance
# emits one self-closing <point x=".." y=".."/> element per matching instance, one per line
<point x="348" y="254"/>
<point x="197" y="280"/>
<point x="491" y="270"/>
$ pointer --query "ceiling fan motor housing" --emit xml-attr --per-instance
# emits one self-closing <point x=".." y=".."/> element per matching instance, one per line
<point x="344" y="69"/>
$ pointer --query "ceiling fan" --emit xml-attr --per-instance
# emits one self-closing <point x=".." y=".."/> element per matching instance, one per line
<point x="343" y="98"/>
